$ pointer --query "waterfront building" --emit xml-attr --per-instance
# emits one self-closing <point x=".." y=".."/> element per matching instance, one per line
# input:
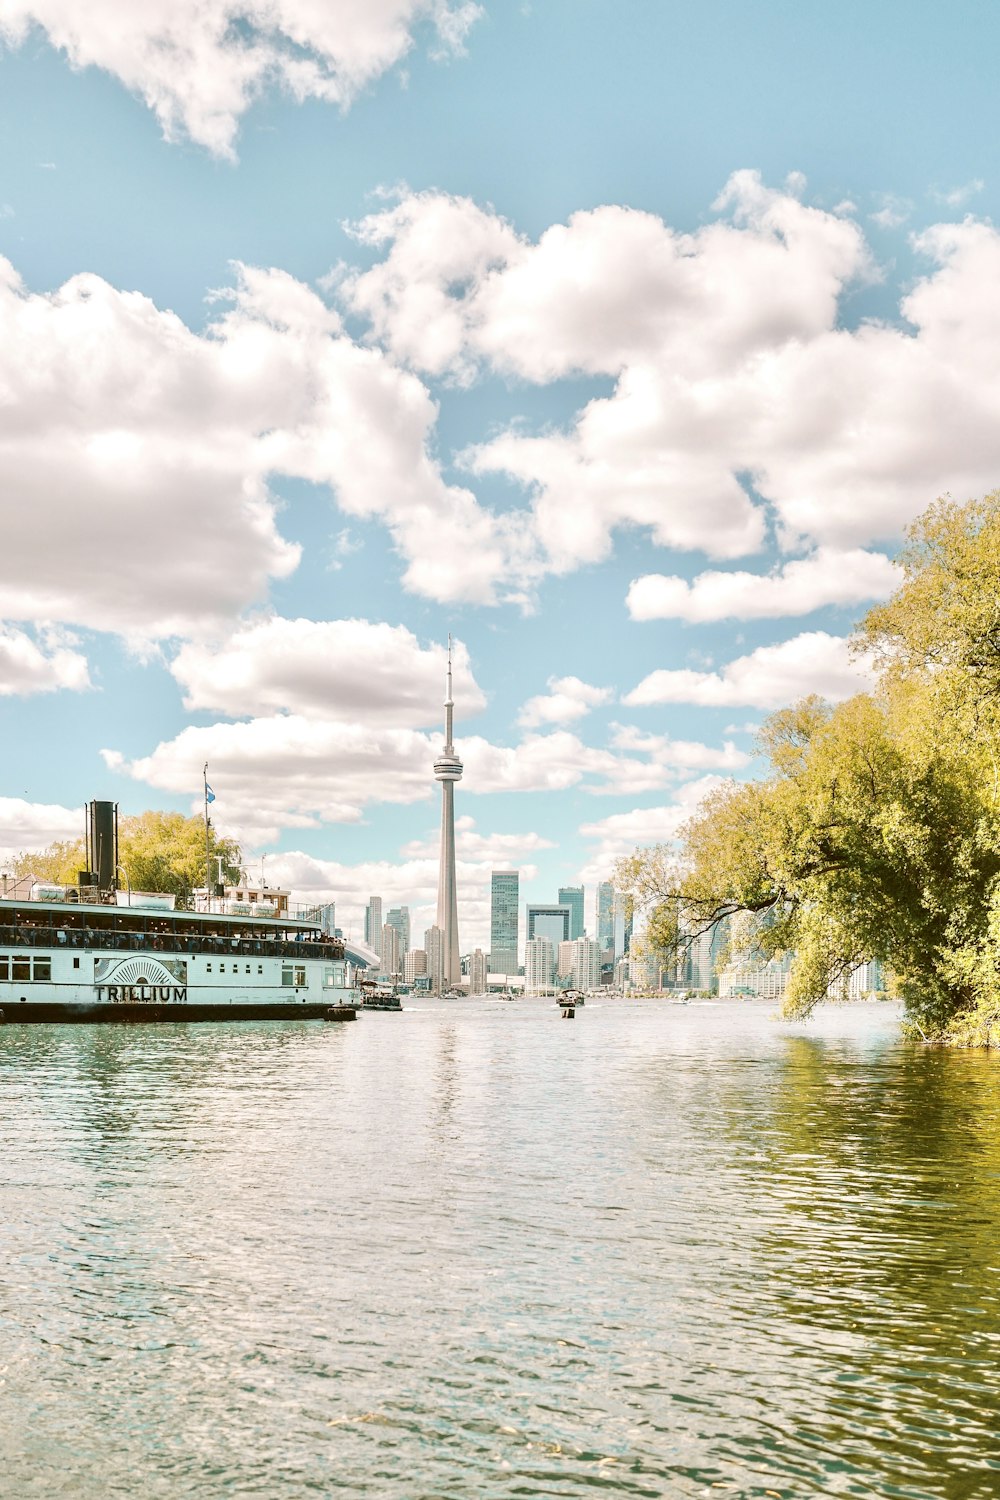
<point x="572" y="896"/>
<point x="373" y="923"/>
<point x="763" y="979"/>
<point x="539" y="965"/>
<point x="604" y="925"/>
<point x="564" y="961"/>
<point x="326" y="915"/>
<point x="391" y="965"/>
<point x="504" y="900"/>
<point x="414" y="965"/>
<point x="399" y="917"/>
<point x="434" y="949"/>
<point x="585" y="964"/>
<point x="477" y="973"/>
<point x="623" y="918"/>
<point x="448" y="770"/>
<point x="552" y="922"/>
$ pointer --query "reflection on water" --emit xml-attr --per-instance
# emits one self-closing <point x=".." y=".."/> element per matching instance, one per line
<point x="470" y="1250"/>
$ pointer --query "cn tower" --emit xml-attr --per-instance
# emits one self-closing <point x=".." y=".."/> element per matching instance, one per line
<point x="448" y="770"/>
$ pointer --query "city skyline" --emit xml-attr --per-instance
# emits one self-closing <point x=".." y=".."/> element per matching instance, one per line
<point x="326" y="343"/>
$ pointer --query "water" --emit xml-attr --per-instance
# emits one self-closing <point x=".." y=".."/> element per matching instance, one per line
<point x="477" y="1250"/>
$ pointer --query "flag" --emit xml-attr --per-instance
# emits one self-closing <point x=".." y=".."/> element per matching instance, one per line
<point x="209" y="794"/>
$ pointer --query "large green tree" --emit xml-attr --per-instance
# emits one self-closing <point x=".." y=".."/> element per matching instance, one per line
<point x="875" y="830"/>
<point x="157" y="851"/>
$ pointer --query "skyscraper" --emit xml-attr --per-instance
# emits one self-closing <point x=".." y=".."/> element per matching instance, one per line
<point x="448" y="770"/>
<point x="399" y="917"/>
<point x="434" y="949"/>
<point x="539" y="964"/>
<point x="373" y="923"/>
<point x="392" y="963"/>
<point x="572" y="896"/>
<point x="550" y="922"/>
<point x="606" y="916"/>
<point x="504" y="898"/>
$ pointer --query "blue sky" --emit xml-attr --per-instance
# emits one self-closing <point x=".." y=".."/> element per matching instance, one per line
<point x="620" y="340"/>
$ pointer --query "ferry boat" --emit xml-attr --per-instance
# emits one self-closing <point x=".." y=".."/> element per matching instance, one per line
<point x="91" y="952"/>
<point x="74" y="960"/>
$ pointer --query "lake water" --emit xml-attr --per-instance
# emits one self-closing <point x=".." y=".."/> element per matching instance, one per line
<point x="477" y="1250"/>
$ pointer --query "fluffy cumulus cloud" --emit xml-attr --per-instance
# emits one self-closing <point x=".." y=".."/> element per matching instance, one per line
<point x="35" y="825"/>
<point x="28" y="665"/>
<point x="344" y="669"/>
<point x="620" y="834"/>
<point x="766" y="678"/>
<point x="149" y="451"/>
<point x="568" y="699"/>
<point x="827" y="576"/>
<point x="735" y="381"/>
<point x="199" y="64"/>
<point x="288" y="771"/>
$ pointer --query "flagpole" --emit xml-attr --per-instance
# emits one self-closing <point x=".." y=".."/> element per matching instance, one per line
<point x="208" y="850"/>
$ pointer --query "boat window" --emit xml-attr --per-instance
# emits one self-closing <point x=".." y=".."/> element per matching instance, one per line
<point x="41" y="967"/>
<point x="300" y="973"/>
<point x="260" y="968"/>
<point x="76" y="963"/>
<point x="4" y="966"/>
<point x="20" y="968"/>
<point x="248" y="968"/>
<point x="208" y="968"/>
<point x="286" y="974"/>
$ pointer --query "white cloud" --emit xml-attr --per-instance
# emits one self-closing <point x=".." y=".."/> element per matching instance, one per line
<point x="733" y="379"/>
<point x="894" y="211"/>
<point x="410" y="881"/>
<point x="147" y="449"/>
<point x="288" y="771"/>
<point x="828" y="576"/>
<point x="490" y="849"/>
<point x="200" y="64"/>
<point x="957" y="197"/>
<point x="343" y="669"/>
<point x="568" y="699"/>
<point x="769" y="677"/>
<point x="679" y="755"/>
<point x="27" y="666"/>
<point x="35" y="825"/>
<point x="622" y="833"/>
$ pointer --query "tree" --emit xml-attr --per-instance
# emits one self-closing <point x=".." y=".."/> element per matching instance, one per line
<point x="874" y="832"/>
<point x="157" y="851"/>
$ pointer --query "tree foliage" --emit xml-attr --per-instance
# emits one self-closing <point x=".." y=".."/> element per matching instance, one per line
<point x="157" y="851"/>
<point x="874" y="832"/>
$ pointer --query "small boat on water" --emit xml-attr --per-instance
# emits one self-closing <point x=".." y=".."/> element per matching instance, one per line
<point x="374" y="996"/>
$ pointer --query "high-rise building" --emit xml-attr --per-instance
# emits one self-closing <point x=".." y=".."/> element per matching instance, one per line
<point x="623" y="925"/>
<point x="448" y="770"/>
<point x="572" y="896"/>
<point x="326" y="915"/>
<point x="504" y="898"/>
<point x="399" y="917"/>
<point x="605" y="924"/>
<point x="564" y="960"/>
<point x="539" y="964"/>
<point x="477" y="973"/>
<point x="373" y="923"/>
<point x="434" y="948"/>
<point x="414" y="965"/>
<point x="392" y="958"/>
<point x="584" y="964"/>
<point x="550" y="922"/>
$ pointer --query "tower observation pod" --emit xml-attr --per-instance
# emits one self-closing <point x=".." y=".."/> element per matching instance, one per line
<point x="448" y="770"/>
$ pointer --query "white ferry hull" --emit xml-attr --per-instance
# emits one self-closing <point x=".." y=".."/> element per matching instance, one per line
<point x="229" y="983"/>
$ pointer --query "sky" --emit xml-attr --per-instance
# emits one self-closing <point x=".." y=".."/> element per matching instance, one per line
<point x="620" y="341"/>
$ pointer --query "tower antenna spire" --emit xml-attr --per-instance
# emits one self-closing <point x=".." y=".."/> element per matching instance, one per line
<point x="448" y="770"/>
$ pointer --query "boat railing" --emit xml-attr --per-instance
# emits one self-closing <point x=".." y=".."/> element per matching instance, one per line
<point x="36" y="935"/>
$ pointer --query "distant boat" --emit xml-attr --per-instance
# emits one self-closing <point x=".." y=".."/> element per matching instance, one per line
<point x="376" y="996"/>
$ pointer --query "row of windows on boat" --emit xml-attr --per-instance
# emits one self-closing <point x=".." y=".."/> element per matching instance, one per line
<point x="88" y="937"/>
<point x="38" y="966"/>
